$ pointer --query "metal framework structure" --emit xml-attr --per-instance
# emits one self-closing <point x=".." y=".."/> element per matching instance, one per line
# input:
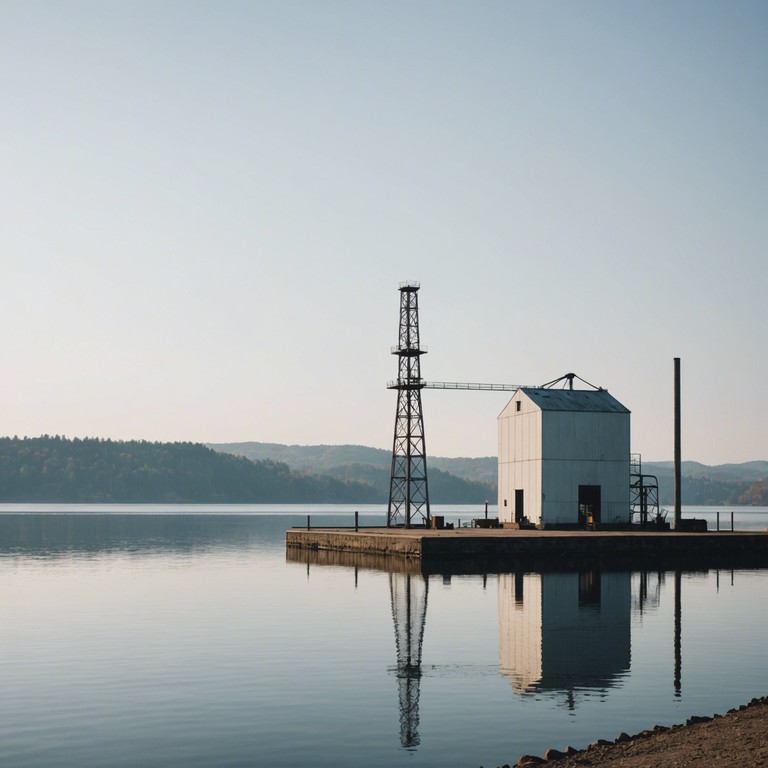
<point x="565" y="381"/>
<point x="476" y="387"/>
<point x="408" y="489"/>
<point x="408" y="486"/>
<point x="643" y="492"/>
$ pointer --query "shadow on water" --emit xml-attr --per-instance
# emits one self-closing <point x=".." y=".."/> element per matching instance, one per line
<point x="564" y="630"/>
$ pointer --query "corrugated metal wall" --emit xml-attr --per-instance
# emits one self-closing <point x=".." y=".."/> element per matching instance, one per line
<point x="520" y="451"/>
<point x="548" y="454"/>
<point x="585" y="449"/>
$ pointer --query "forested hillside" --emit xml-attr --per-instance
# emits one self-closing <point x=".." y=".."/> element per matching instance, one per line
<point x="731" y="484"/>
<point x="332" y="459"/>
<point x="56" y="469"/>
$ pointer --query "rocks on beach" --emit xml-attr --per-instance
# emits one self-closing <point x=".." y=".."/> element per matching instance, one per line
<point x="731" y="738"/>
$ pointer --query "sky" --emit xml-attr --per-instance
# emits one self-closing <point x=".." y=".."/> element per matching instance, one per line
<point x="207" y="209"/>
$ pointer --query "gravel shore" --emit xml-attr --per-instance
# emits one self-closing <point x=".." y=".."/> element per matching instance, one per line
<point x="738" y="738"/>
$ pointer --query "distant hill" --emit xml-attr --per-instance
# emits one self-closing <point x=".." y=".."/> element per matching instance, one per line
<point x="324" y="458"/>
<point x="731" y="484"/>
<point x="451" y="481"/>
<point x="55" y="469"/>
<point x="312" y="458"/>
<point x="749" y="471"/>
<point x="59" y="470"/>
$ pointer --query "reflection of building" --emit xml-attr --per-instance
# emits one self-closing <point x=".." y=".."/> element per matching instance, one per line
<point x="564" y="631"/>
<point x="564" y="458"/>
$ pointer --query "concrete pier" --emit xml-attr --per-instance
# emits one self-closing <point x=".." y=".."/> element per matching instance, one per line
<point x="478" y="549"/>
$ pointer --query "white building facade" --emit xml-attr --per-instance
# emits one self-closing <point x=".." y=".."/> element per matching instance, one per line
<point x="564" y="458"/>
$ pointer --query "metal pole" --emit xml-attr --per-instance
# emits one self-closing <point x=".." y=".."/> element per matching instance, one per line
<point x="486" y="509"/>
<point x="731" y="520"/>
<point x="308" y="524"/>
<point x="356" y="519"/>
<point x="678" y="463"/>
<point x="718" y="521"/>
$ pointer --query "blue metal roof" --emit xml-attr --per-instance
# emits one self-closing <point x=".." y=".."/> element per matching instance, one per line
<point x="587" y="400"/>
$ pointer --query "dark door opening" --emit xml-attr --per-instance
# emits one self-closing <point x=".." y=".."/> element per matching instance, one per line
<point x="589" y="589"/>
<point x="519" y="586"/>
<point x="589" y="506"/>
<point x="519" y="511"/>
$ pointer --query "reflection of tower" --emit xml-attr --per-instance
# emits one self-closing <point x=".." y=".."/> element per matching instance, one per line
<point x="409" y="612"/>
<point x="408" y="494"/>
<point x="563" y="632"/>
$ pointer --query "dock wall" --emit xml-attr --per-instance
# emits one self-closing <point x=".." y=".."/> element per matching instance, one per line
<point x="497" y="548"/>
<point x="343" y="540"/>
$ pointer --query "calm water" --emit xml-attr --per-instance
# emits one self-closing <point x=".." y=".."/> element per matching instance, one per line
<point x="181" y="636"/>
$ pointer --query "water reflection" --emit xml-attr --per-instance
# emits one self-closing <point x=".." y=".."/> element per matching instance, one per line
<point x="165" y="636"/>
<point x="409" y="613"/>
<point x="678" y="635"/>
<point x="355" y="560"/>
<point x="561" y="632"/>
<point x="64" y="534"/>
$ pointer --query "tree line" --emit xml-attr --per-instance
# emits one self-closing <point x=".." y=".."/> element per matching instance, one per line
<point x="56" y="469"/>
<point x="92" y="470"/>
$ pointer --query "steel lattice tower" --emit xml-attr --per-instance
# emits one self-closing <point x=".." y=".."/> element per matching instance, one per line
<point x="408" y="492"/>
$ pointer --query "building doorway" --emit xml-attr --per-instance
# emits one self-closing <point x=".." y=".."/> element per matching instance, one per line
<point x="589" y="506"/>
<point x="519" y="509"/>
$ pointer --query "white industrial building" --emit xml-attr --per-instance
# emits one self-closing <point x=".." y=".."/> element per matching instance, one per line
<point x="564" y="458"/>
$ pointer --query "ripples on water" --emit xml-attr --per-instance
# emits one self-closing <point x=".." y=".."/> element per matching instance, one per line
<point x="181" y="636"/>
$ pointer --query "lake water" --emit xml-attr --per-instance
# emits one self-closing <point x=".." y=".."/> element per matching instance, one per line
<point x="182" y="636"/>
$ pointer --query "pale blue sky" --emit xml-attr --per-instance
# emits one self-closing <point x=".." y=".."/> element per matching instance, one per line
<point x="208" y="206"/>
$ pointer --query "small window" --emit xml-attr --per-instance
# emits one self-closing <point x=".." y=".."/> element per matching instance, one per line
<point x="517" y="405"/>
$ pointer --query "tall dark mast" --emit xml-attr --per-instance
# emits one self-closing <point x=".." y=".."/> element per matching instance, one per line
<point x="408" y="492"/>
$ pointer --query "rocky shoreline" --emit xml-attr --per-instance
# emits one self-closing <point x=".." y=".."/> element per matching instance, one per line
<point x="738" y="738"/>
